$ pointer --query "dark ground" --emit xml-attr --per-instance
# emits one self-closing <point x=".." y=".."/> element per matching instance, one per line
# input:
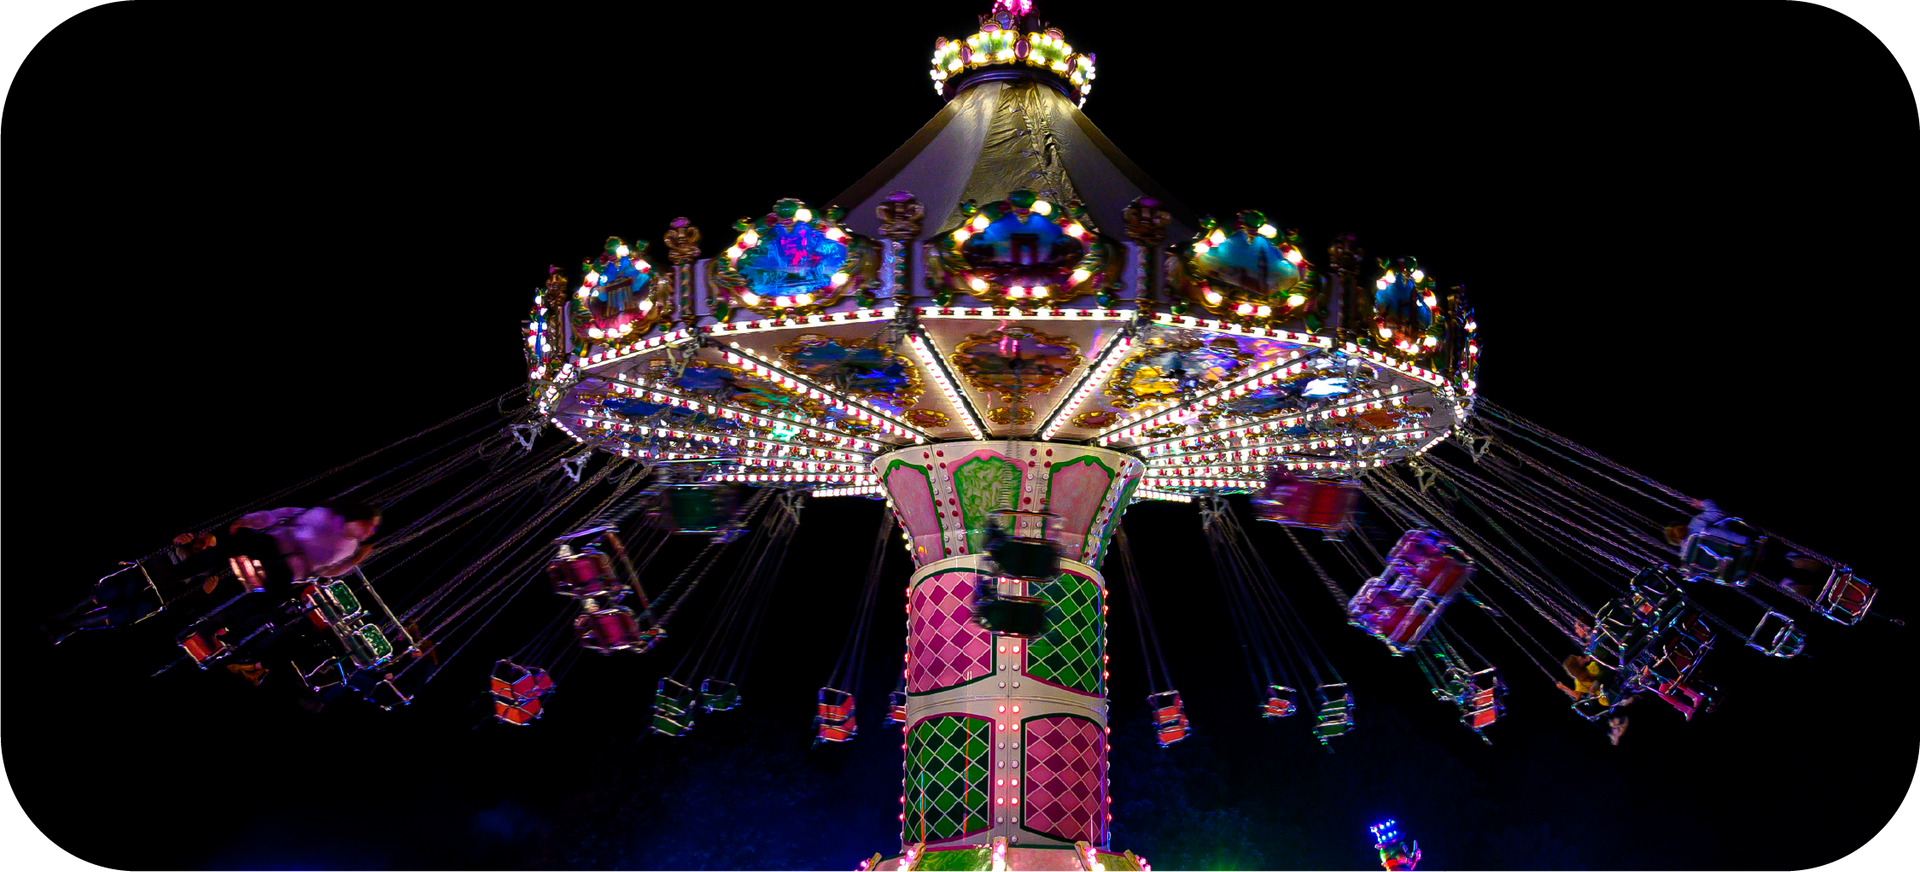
<point x="248" y="246"/>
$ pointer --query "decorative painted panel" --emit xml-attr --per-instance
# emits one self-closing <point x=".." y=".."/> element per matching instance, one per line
<point x="911" y="489"/>
<point x="1068" y="654"/>
<point x="985" y="482"/>
<point x="1076" y="489"/>
<point x="948" y="781"/>
<point x="944" y="646"/>
<point x="1062" y="793"/>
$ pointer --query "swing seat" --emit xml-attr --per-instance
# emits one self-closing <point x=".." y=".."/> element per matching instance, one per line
<point x="389" y="695"/>
<point x="588" y="573"/>
<point x="1725" y="554"/>
<point x="1173" y="731"/>
<point x="519" y="713"/>
<point x="367" y="647"/>
<point x="1291" y="501"/>
<point x="1025" y="558"/>
<point x="334" y="601"/>
<point x="1777" y="636"/>
<point x="1336" y="712"/>
<point x="834" y="705"/>
<point x="1845" y="599"/>
<point x="1487" y="701"/>
<point x="1657" y="583"/>
<point x="1022" y="617"/>
<point x="840" y="731"/>
<point x="896" y="708"/>
<point x="673" y="707"/>
<point x="1280" y="702"/>
<point x="610" y="629"/>
<point x="1167" y="706"/>
<point x="1423" y="575"/>
<point x="514" y="683"/>
<point x="719" y="696"/>
<point x="204" y="647"/>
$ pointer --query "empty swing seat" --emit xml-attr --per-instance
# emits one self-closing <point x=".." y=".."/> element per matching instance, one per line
<point x="1657" y="582"/>
<point x="673" y="708"/>
<point x="588" y="573"/>
<point x="367" y="647"/>
<point x="897" y="707"/>
<point x="1336" y="713"/>
<point x="1723" y="554"/>
<point x="511" y="681"/>
<point x="1844" y="598"/>
<point x="1292" y="501"/>
<point x="1280" y="702"/>
<point x="834" y="721"/>
<point x="719" y="696"/>
<point x="1487" y="701"/>
<point x="1425" y="571"/>
<point x="1169" y="717"/>
<point x="607" y="630"/>
<point x="1777" y="636"/>
<point x="519" y="713"/>
<point x="331" y="602"/>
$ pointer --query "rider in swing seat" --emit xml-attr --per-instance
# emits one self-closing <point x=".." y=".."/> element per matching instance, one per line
<point x="267" y="551"/>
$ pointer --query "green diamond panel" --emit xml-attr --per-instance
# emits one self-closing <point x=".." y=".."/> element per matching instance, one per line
<point x="1068" y="654"/>
<point x="984" y="484"/>
<point x="948" y="778"/>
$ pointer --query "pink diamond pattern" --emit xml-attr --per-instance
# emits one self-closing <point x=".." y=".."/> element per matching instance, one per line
<point x="1066" y="764"/>
<point x="947" y="648"/>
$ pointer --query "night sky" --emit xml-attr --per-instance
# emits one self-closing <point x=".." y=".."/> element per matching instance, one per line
<point x="248" y="246"/>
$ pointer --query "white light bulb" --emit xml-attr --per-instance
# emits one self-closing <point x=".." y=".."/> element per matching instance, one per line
<point x="803" y="216"/>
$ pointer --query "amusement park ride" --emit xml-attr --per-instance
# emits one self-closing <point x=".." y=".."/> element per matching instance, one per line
<point x="1010" y="334"/>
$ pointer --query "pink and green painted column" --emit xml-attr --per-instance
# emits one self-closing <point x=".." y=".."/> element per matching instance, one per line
<point x="1006" y="739"/>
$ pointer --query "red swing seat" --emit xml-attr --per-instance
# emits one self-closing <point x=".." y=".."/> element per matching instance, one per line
<point x="834" y="721"/>
<point x="1292" y="501"/>
<point x="1424" y="572"/>
<point x="1844" y="598"/>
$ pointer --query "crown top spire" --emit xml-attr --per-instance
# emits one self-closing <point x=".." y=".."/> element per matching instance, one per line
<point x="1012" y="42"/>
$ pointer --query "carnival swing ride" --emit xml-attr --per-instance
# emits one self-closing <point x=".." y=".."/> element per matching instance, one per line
<point x="1010" y="335"/>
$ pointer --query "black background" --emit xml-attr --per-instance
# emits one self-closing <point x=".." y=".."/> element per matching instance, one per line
<point x="248" y="244"/>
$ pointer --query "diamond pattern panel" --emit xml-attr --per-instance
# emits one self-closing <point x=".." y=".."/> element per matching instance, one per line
<point x="948" y="792"/>
<point x="1068" y="654"/>
<point x="946" y="647"/>
<point x="1066" y="766"/>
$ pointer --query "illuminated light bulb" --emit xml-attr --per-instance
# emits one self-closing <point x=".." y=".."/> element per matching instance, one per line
<point x="1214" y="298"/>
<point x="749" y="298"/>
<point x="1418" y="275"/>
<point x="1217" y="237"/>
<point x="748" y="239"/>
<point x="804" y="216"/>
<point x="783" y="301"/>
<point x="1244" y="309"/>
<point x="1386" y="333"/>
<point x="1081" y="275"/>
<point x="734" y="252"/>
<point x="1268" y="231"/>
<point x="596" y="332"/>
<point x="1264" y="311"/>
<point x="646" y="305"/>
<point x="839" y="279"/>
<point x="1016" y="291"/>
<point x="1294" y="300"/>
<point x="1043" y="207"/>
<point x="980" y="222"/>
<point x="1472" y="326"/>
<point x="804" y="299"/>
<point x="1430" y="341"/>
<point x="961" y="236"/>
<point x="978" y="284"/>
<point x="1201" y="247"/>
<point x="1076" y="231"/>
